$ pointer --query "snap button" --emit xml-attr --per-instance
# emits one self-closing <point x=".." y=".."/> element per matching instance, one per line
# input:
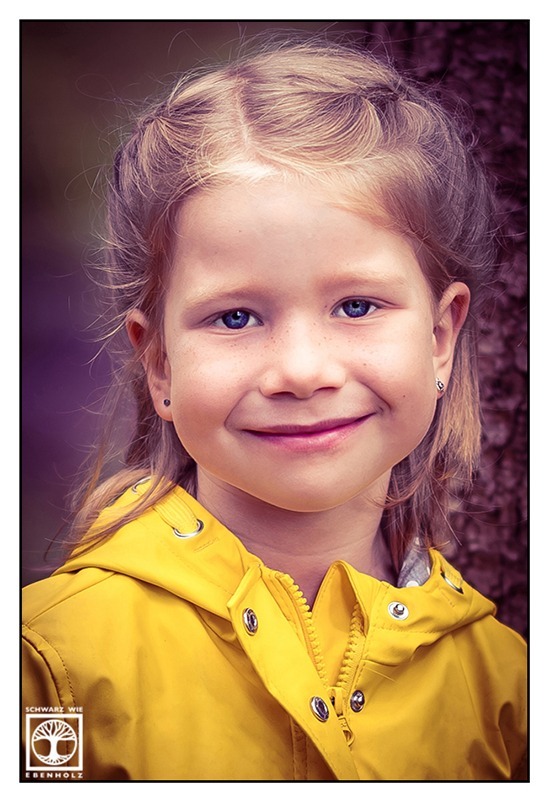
<point x="319" y="708"/>
<point x="398" y="610"/>
<point x="357" y="701"/>
<point x="250" y="621"/>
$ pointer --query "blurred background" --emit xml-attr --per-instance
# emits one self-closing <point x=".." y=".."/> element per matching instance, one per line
<point x="81" y="82"/>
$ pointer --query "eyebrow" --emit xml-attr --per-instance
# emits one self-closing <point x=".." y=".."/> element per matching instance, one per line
<point x="382" y="277"/>
<point x="223" y="294"/>
<point x="228" y="294"/>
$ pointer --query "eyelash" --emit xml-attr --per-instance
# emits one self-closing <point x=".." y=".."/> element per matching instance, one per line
<point x="221" y="319"/>
<point x="363" y="305"/>
<point x="237" y="316"/>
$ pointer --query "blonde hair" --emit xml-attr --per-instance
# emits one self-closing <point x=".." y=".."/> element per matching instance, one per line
<point x="322" y="112"/>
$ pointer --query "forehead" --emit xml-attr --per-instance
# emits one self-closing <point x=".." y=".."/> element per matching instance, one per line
<point x="241" y="213"/>
<point x="283" y="233"/>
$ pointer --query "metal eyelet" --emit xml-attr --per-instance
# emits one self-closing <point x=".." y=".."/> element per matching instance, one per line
<point x="450" y="582"/>
<point x="139" y="482"/>
<point x="189" y="535"/>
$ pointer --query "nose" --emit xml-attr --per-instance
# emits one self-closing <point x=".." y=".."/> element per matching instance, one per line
<point x="301" y="360"/>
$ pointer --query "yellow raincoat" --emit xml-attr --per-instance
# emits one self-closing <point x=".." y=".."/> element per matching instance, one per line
<point x="188" y="659"/>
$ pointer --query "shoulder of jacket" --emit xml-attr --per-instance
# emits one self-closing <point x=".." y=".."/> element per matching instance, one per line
<point x="176" y="509"/>
<point x="48" y="594"/>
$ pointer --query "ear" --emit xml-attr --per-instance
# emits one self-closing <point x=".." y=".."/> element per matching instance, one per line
<point x="449" y="319"/>
<point x="154" y="360"/>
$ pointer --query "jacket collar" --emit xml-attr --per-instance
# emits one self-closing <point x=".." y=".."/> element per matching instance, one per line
<point x="180" y="547"/>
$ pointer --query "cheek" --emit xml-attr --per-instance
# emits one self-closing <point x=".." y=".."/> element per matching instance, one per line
<point x="401" y="374"/>
<point x="206" y="386"/>
<point x="403" y="364"/>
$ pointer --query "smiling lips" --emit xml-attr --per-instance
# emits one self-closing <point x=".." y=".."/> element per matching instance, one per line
<point x="310" y="437"/>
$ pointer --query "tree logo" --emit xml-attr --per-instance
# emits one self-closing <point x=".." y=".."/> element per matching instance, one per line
<point x="54" y="741"/>
<point x="59" y="739"/>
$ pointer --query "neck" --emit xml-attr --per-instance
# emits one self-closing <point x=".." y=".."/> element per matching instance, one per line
<point x="300" y="544"/>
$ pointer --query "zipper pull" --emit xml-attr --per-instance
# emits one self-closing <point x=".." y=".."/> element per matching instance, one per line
<point x="337" y="700"/>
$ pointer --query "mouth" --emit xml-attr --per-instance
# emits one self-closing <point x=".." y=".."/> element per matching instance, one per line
<point x="321" y="435"/>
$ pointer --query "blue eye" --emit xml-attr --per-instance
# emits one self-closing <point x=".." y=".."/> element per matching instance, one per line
<point x="237" y="319"/>
<point x="354" y="308"/>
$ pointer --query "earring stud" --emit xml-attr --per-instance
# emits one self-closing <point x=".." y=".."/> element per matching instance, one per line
<point x="439" y="385"/>
<point x="166" y="402"/>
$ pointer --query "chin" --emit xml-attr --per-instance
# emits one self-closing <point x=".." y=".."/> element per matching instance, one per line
<point x="309" y="501"/>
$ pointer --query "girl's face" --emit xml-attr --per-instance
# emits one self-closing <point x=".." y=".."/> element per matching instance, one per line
<point x="301" y="346"/>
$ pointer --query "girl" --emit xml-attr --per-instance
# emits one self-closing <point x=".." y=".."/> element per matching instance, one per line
<point x="298" y="244"/>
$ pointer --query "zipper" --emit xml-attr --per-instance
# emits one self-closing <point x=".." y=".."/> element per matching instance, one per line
<point x="349" y="661"/>
<point x="342" y="689"/>
<point x="305" y="620"/>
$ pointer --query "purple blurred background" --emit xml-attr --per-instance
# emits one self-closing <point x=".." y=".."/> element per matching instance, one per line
<point x="80" y="79"/>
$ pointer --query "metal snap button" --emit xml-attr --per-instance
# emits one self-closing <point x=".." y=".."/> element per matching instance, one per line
<point x="250" y="621"/>
<point x="398" y="610"/>
<point x="319" y="708"/>
<point x="357" y="701"/>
